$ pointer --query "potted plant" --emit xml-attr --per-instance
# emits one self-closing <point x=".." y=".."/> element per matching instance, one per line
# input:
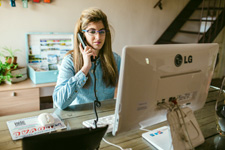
<point x="6" y="72"/>
<point x="5" y="75"/>
<point x="9" y="55"/>
<point x="9" y="71"/>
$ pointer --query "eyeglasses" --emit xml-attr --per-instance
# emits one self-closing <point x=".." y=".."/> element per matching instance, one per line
<point x="93" y="32"/>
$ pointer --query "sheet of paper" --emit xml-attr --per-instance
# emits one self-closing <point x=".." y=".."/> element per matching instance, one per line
<point x="36" y="50"/>
<point x="26" y="127"/>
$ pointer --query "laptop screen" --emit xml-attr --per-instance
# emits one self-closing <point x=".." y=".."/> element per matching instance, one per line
<point x="84" y="138"/>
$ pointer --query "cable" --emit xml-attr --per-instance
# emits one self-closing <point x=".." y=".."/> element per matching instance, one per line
<point x="115" y="145"/>
<point x="144" y="129"/>
<point x="182" y="117"/>
<point x="217" y="88"/>
<point x="170" y="107"/>
<point x="96" y="103"/>
<point x="185" y="126"/>
<point x="112" y="144"/>
<point x="174" y="101"/>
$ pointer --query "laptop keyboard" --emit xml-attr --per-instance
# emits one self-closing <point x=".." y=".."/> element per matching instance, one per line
<point x="102" y="121"/>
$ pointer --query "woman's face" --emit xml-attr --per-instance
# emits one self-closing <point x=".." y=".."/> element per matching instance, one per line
<point x="95" y="39"/>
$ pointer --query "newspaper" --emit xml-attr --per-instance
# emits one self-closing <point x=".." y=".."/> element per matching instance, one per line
<point x="26" y="127"/>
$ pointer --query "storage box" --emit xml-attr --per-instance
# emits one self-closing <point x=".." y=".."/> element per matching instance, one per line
<point x="45" y="52"/>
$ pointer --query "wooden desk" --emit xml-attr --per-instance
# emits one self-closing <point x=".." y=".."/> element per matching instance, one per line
<point x="74" y="116"/>
<point x="20" y="97"/>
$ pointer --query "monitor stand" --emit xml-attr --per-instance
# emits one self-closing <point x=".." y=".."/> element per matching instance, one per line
<point x="184" y="131"/>
<point x="160" y="138"/>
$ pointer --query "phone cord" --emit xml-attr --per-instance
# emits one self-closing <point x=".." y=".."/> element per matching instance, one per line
<point x="97" y="103"/>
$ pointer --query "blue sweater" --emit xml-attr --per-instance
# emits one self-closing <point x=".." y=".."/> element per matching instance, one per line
<point x="69" y="88"/>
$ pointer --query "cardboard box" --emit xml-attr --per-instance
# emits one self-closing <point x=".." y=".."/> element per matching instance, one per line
<point x="45" y="52"/>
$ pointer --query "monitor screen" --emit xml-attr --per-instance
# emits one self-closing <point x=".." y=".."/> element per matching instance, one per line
<point x="155" y="73"/>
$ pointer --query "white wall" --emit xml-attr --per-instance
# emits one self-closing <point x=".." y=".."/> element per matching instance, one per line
<point x="134" y="21"/>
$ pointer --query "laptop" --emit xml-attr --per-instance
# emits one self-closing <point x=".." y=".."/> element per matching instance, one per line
<point x="84" y="138"/>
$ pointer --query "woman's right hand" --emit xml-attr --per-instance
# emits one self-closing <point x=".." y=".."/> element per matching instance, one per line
<point x="87" y="52"/>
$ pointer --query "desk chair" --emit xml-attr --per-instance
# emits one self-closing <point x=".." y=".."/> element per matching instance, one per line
<point x="80" y="139"/>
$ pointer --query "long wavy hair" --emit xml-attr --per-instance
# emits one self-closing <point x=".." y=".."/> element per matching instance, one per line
<point x="108" y="64"/>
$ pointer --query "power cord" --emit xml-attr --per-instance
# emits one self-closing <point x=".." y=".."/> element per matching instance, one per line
<point x="115" y="145"/>
<point x="143" y="129"/>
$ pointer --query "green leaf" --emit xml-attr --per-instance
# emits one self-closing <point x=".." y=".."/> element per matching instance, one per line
<point x="8" y="67"/>
<point x="17" y="50"/>
<point x="19" y="75"/>
<point x="10" y="51"/>
<point x="15" y="66"/>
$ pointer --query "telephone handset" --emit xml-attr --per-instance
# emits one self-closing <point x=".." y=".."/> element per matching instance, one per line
<point x="79" y="35"/>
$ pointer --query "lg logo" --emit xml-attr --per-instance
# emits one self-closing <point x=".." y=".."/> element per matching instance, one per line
<point x="179" y="59"/>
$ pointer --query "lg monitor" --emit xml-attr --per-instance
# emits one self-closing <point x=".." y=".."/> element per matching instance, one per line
<point x="155" y="73"/>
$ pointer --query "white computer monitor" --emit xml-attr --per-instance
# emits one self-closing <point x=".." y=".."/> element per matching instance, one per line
<point x="154" y="73"/>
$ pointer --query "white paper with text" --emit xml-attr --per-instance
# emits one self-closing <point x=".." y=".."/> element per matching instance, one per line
<point x="26" y="127"/>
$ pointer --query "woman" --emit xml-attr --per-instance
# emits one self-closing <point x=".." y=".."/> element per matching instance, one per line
<point x="79" y="76"/>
